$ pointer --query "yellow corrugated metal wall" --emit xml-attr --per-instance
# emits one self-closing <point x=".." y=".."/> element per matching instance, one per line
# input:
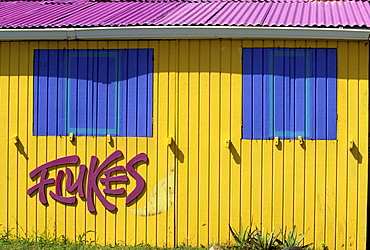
<point x="197" y="101"/>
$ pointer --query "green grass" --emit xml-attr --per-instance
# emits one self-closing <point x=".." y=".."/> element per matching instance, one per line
<point x="35" y="241"/>
<point x="62" y="243"/>
<point x="16" y="244"/>
<point x="246" y="239"/>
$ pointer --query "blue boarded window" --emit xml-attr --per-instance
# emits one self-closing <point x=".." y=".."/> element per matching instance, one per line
<point x="91" y="92"/>
<point x="289" y="93"/>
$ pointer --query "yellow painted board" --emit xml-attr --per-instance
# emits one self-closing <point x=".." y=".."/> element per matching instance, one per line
<point x="193" y="174"/>
<point x="278" y="185"/>
<point x="299" y="177"/>
<point x="363" y="144"/>
<point x="100" y="214"/>
<point x="82" y="153"/>
<point x="171" y="166"/>
<point x="22" y="146"/>
<point x="299" y="171"/>
<point x="267" y="184"/>
<point x="41" y="159"/>
<point x="320" y="202"/>
<point x="257" y="149"/>
<point x="235" y="129"/>
<point x="71" y="149"/>
<point x="131" y="218"/>
<point x="331" y="180"/>
<point x="91" y="150"/>
<point x="121" y="144"/>
<point x="60" y="213"/>
<point x="52" y="149"/>
<point x="214" y="163"/>
<point x="142" y="146"/>
<point x="153" y="157"/>
<point x="110" y="237"/>
<point x="256" y="192"/>
<point x="3" y="137"/>
<point x="12" y="165"/>
<point x="91" y="221"/>
<point x="183" y="144"/>
<point x="32" y="202"/>
<point x="278" y="174"/>
<point x="111" y="216"/>
<point x="246" y="173"/>
<point x="163" y="105"/>
<point x="101" y="154"/>
<point x="141" y="228"/>
<point x="246" y="183"/>
<point x="120" y="200"/>
<point x="4" y="147"/>
<point x="204" y="109"/>
<point x="342" y="109"/>
<point x="131" y="151"/>
<point x="331" y="170"/>
<point x="225" y="135"/>
<point x="288" y="183"/>
<point x="51" y="152"/>
<point x="267" y="176"/>
<point x="61" y="142"/>
<point x="51" y="222"/>
<point x="289" y="152"/>
<point x="131" y="223"/>
<point x="309" y="196"/>
<point x="353" y="93"/>
<point x="152" y="150"/>
<point x="309" y="182"/>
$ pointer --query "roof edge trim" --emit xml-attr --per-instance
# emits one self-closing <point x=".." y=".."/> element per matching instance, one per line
<point x="183" y="32"/>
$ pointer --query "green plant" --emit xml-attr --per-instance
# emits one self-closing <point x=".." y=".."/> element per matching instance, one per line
<point x="324" y="246"/>
<point x="244" y="238"/>
<point x="81" y="238"/>
<point x="265" y="241"/>
<point x="6" y="235"/>
<point x="291" y="239"/>
<point x="249" y="239"/>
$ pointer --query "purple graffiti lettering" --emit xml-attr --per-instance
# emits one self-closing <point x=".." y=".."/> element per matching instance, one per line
<point x="79" y="183"/>
<point x="43" y="170"/>
<point x="93" y="173"/>
<point x="140" y="182"/>
<point x="69" y="186"/>
<point x="92" y="183"/>
<point x="109" y="178"/>
<point x="58" y="195"/>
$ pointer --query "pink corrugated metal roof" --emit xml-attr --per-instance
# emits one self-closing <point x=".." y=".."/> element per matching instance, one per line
<point x="85" y="13"/>
<point x="118" y="14"/>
